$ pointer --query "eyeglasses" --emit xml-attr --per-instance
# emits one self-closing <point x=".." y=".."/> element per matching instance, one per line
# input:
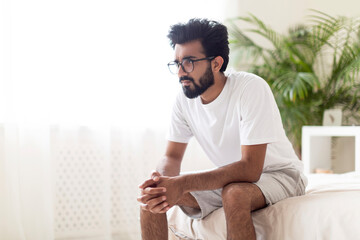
<point x="186" y="64"/>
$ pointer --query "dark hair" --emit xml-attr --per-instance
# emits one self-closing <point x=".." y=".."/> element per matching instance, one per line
<point x="212" y="35"/>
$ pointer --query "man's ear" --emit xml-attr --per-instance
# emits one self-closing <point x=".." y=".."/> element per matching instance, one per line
<point x="217" y="63"/>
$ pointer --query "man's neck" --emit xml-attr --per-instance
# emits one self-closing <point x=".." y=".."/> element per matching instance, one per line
<point x="214" y="91"/>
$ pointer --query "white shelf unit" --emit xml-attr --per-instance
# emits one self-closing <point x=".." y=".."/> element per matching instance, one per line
<point x="310" y="163"/>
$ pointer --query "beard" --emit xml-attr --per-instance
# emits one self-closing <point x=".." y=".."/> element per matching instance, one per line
<point x="206" y="81"/>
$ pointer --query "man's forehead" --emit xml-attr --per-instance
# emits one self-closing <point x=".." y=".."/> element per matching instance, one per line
<point x="189" y="49"/>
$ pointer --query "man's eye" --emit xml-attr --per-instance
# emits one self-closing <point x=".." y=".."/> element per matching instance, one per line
<point x="187" y="61"/>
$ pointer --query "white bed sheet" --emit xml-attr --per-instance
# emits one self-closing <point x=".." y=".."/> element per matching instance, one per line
<point x="330" y="210"/>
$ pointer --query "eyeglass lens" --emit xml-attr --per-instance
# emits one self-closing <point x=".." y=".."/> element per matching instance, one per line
<point x="187" y="66"/>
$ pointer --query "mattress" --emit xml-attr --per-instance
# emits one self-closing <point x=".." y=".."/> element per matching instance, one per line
<point x="330" y="210"/>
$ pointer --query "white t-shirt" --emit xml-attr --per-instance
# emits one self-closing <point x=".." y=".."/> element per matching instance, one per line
<point x="245" y="113"/>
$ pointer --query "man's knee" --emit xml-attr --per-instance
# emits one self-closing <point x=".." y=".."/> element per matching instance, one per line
<point x="236" y="194"/>
<point x="245" y="196"/>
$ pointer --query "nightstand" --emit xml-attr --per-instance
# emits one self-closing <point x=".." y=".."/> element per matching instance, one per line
<point x="316" y="152"/>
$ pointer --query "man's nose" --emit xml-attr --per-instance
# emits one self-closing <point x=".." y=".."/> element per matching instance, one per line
<point x="181" y="72"/>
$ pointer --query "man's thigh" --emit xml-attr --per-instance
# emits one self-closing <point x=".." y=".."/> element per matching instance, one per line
<point x="279" y="185"/>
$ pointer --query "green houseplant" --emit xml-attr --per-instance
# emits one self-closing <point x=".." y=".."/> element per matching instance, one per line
<point x="311" y="68"/>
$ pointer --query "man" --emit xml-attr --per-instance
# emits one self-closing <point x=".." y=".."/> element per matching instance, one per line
<point x="235" y="119"/>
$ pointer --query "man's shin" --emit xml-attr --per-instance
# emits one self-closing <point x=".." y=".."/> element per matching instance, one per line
<point x="153" y="226"/>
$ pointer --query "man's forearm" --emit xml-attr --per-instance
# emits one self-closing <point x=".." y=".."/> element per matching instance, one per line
<point x="248" y="169"/>
<point x="241" y="171"/>
<point x="169" y="166"/>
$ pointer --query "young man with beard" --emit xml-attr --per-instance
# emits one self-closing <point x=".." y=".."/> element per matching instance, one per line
<point x="235" y="119"/>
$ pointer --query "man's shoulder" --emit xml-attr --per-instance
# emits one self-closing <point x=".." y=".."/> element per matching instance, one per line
<point x="241" y="79"/>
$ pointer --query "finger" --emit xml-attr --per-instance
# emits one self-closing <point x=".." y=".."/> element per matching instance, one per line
<point x="155" y="201"/>
<point x="165" y="209"/>
<point x="155" y="175"/>
<point x="147" y="183"/>
<point x="144" y="207"/>
<point x="150" y="190"/>
<point x="158" y="208"/>
<point x="143" y="198"/>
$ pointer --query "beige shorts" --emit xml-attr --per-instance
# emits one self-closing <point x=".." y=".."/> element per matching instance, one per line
<point x="275" y="185"/>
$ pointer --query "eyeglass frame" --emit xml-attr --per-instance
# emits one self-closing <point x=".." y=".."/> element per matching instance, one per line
<point x="190" y="60"/>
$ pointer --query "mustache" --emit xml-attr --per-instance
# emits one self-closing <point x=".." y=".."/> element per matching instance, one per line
<point x="185" y="78"/>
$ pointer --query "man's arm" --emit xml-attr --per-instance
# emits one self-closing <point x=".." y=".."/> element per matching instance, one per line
<point x="248" y="169"/>
<point x="170" y="164"/>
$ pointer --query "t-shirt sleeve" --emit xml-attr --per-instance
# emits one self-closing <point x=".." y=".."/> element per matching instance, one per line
<point x="260" y="118"/>
<point x="179" y="130"/>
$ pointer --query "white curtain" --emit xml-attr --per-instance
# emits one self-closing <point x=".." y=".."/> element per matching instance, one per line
<point x="26" y="183"/>
<point x="85" y="99"/>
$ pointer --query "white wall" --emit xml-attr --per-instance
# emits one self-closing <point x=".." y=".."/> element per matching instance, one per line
<point x="349" y="8"/>
<point x="280" y="14"/>
<point x="277" y="13"/>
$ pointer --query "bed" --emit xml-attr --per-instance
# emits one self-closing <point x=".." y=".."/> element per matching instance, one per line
<point x="330" y="210"/>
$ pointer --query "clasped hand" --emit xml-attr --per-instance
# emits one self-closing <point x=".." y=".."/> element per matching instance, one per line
<point x="159" y="193"/>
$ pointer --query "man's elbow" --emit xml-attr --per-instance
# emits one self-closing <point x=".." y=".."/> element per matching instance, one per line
<point x="253" y="171"/>
<point x="255" y="178"/>
<point x="255" y="174"/>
